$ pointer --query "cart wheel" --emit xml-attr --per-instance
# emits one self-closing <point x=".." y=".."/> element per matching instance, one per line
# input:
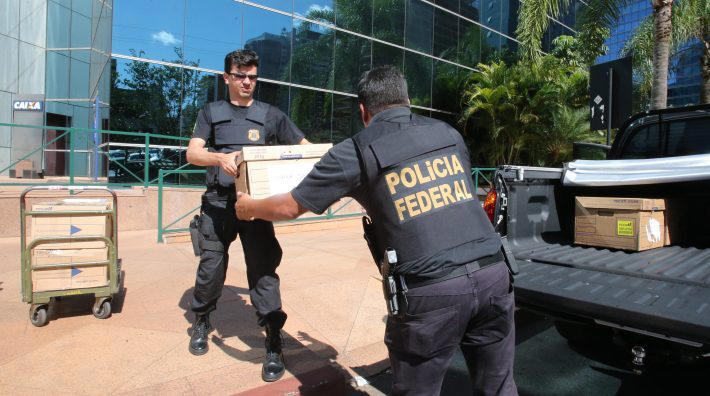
<point x="102" y="310"/>
<point x="38" y="315"/>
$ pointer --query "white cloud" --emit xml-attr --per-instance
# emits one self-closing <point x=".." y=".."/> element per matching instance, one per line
<point x="316" y="7"/>
<point x="165" y="38"/>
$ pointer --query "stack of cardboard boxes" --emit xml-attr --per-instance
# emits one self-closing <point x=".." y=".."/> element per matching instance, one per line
<point x="71" y="225"/>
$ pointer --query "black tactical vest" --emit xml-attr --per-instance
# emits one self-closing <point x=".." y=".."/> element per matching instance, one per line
<point x="420" y="193"/>
<point x="230" y="134"/>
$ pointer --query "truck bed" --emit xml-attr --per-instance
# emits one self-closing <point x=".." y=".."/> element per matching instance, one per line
<point x="664" y="292"/>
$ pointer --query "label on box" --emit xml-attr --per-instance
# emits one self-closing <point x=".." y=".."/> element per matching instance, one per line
<point x="625" y="228"/>
<point x="285" y="177"/>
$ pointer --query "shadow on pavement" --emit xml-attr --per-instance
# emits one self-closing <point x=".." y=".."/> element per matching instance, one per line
<point x="236" y="318"/>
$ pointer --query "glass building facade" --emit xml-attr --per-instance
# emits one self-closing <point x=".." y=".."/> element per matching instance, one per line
<point x="312" y="54"/>
<point x="150" y="65"/>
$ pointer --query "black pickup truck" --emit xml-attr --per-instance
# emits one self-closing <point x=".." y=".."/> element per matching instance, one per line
<point x="656" y="302"/>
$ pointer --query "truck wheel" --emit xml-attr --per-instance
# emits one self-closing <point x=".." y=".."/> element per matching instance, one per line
<point x="38" y="315"/>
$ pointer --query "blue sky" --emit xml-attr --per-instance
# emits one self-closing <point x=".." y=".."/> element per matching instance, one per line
<point x="212" y="27"/>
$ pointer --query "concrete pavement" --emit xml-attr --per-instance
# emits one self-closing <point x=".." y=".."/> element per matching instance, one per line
<point x="330" y="290"/>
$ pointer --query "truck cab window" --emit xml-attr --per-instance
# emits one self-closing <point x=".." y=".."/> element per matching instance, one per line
<point x="645" y="142"/>
<point x="688" y="137"/>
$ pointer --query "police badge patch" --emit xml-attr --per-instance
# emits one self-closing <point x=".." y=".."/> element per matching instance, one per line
<point x="253" y="135"/>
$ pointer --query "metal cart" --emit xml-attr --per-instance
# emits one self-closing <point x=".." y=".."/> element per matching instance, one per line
<point x="40" y="300"/>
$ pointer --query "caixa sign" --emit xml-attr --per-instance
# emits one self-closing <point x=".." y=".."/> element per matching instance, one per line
<point x="27" y="105"/>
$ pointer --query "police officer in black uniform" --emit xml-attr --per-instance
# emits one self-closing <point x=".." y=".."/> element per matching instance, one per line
<point x="412" y="175"/>
<point x="222" y="129"/>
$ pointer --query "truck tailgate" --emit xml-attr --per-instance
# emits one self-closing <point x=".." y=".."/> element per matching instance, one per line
<point x="621" y="291"/>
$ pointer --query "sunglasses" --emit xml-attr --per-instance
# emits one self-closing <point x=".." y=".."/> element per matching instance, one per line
<point x="242" y="76"/>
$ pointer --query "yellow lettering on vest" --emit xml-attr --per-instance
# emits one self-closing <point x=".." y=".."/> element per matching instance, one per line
<point x="422" y="179"/>
<point x="410" y="201"/>
<point x="448" y="165"/>
<point x="436" y="197"/>
<point x="465" y="190"/>
<point x="446" y="194"/>
<point x="424" y="201"/>
<point x="399" y="206"/>
<point x="440" y="172"/>
<point x="408" y="178"/>
<point x="392" y="180"/>
<point x="430" y="170"/>
<point x="457" y="165"/>
<point x="459" y="194"/>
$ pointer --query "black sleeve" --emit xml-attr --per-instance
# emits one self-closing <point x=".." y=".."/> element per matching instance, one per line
<point x="203" y="127"/>
<point x="284" y="129"/>
<point x="336" y="175"/>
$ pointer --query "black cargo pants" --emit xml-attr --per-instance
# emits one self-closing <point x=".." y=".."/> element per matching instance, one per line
<point x="473" y="312"/>
<point x="262" y="253"/>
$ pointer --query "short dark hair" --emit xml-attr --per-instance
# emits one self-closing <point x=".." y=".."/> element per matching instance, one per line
<point x="381" y="88"/>
<point x="239" y="58"/>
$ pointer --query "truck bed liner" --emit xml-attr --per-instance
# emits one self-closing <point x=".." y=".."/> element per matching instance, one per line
<point x="665" y="290"/>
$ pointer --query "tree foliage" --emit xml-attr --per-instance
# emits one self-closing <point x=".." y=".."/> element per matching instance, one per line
<point x="690" y="21"/>
<point x="529" y="112"/>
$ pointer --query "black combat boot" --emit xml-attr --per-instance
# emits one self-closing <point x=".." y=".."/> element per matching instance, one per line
<point x="274" y="367"/>
<point x="199" y="342"/>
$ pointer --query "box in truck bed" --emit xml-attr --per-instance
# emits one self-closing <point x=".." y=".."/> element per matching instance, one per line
<point x="620" y="223"/>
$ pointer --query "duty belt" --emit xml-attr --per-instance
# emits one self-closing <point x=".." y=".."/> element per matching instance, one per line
<point x="414" y="281"/>
<point x="219" y="193"/>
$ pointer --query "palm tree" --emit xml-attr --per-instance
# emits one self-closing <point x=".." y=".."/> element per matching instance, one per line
<point x="691" y="21"/>
<point x="533" y="22"/>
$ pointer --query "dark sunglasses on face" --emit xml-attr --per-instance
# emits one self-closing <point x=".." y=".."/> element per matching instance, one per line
<point x="242" y="76"/>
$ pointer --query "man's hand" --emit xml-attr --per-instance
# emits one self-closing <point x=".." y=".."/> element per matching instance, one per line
<point x="230" y="162"/>
<point x="242" y="206"/>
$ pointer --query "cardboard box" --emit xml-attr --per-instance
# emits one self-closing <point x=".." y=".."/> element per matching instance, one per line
<point x="620" y="223"/>
<point x="74" y="225"/>
<point x="69" y="278"/>
<point x="22" y="166"/>
<point x="269" y="170"/>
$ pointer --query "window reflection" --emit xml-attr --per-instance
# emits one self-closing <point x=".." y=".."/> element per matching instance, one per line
<point x="310" y="111"/>
<point x="471" y="9"/>
<point x="273" y="94"/>
<point x="346" y="118"/>
<point x="420" y="21"/>
<point x="421" y="112"/>
<point x="469" y="47"/>
<point x="352" y="58"/>
<point x="317" y="10"/>
<point x="312" y="62"/>
<point x="383" y="54"/>
<point x="445" y="34"/>
<point x="445" y="92"/>
<point x="145" y="97"/>
<point x="281" y="5"/>
<point x="491" y="13"/>
<point x="452" y="5"/>
<point x="490" y="46"/>
<point x="509" y="15"/>
<point x="354" y="15"/>
<point x="58" y="18"/>
<point x="417" y="71"/>
<point x="388" y="24"/>
<point x="212" y="30"/>
<point x="152" y="29"/>
<point x="269" y="35"/>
